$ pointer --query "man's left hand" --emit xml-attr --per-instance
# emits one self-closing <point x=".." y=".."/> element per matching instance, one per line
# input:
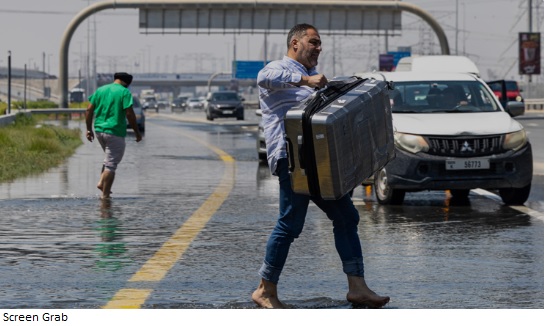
<point x="90" y="136"/>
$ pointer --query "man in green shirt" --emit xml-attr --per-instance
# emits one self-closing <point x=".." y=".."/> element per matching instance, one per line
<point x="111" y="107"/>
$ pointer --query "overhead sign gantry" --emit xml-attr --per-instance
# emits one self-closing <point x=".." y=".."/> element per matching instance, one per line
<point x="257" y="16"/>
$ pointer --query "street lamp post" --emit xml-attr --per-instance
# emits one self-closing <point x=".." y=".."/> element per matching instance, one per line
<point x="9" y="82"/>
<point x="25" y="88"/>
<point x="43" y="73"/>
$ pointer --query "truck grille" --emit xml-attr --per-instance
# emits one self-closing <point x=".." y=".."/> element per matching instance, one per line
<point x="465" y="147"/>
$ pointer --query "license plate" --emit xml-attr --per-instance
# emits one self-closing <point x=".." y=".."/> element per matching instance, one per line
<point x="467" y="164"/>
<point x="227" y="112"/>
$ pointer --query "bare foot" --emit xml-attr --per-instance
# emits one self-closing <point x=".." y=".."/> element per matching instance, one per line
<point x="101" y="188"/>
<point x="360" y="294"/>
<point x="266" y="296"/>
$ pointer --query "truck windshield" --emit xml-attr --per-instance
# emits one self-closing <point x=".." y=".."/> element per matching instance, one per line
<point x="441" y="97"/>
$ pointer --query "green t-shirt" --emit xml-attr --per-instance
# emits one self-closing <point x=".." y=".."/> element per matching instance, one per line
<point x="110" y="102"/>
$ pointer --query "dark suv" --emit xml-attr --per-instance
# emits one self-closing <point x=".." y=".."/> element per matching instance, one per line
<point x="179" y="103"/>
<point x="223" y="104"/>
<point x="506" y="91"/>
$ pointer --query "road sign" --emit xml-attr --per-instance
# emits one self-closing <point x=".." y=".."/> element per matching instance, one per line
<point x="247" y="69"/>
<point x="398" y="55"/>
<point x="529" y="56"/>
<point x="386" y="62"/>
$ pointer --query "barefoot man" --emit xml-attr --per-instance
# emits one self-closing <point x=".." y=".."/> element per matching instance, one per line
<point x="111" y="106"/>
<point x="282" y="85"/>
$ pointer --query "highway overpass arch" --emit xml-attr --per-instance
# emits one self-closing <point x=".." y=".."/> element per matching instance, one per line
<point x="258" y="15"/>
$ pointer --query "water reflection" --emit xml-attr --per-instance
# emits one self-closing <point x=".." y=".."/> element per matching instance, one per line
<point x="111" y="251"/>
<point x="266" y="183"/>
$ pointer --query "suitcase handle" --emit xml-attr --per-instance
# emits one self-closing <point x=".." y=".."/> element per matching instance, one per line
<point x="300" y="153"/>
<point x="291" y="163"/>
<point x="300" y="156"/>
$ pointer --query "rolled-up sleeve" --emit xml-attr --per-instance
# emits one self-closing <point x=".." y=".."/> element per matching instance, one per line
<point x="272" y="77"/>
<point x="278" y="94"/>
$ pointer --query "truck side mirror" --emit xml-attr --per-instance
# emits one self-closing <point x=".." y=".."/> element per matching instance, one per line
<point x="515" y="108"/>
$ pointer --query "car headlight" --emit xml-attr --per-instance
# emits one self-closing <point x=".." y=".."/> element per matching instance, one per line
<point x="411" y="143"/>
<point x="515" y="140"/>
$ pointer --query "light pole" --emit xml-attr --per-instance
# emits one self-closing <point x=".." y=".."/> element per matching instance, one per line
<point x="9" y="82"/>
<point x="24" y="93"/>
<point x="43" y="73"/>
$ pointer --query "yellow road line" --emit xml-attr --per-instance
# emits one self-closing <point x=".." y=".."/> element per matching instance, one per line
<point x="163" y="260"/>
<point x="128" y="299"/>
<point x="156" y="268"/>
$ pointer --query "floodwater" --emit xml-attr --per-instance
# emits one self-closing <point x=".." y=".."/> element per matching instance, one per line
<point x="63" y="247"/>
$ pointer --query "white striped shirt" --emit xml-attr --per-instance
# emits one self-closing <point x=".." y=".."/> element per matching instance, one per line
<point x="276" y="97"/>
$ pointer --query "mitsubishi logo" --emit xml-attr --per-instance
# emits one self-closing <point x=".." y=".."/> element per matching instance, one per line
<point x="466" y="147"/>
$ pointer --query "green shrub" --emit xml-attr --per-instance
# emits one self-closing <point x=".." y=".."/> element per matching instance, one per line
<point x="22" y="119"/>
<point x="26" y="149"/>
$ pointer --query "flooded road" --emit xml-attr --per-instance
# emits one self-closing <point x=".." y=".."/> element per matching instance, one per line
<point x="192" y="209"/>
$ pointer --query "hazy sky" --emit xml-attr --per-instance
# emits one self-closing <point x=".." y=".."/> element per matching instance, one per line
<point x="487" y="33"/>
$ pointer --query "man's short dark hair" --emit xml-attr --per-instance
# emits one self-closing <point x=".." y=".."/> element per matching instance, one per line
<point x="124" y="77"/>
<point x="298" y="31"/>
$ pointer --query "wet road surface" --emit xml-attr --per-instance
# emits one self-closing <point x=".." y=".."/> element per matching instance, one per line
<point x="63" y="247"/>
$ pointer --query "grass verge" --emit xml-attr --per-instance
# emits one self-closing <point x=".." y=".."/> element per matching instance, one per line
<point x="28" y="148"/>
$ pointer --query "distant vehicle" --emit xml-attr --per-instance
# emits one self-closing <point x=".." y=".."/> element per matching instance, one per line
<point x="179" y="103"/>
<point x="77" y="95"/>
<point x="147" y="93"/>
<point x="140" y="115"/>
<point x="163" y="103"/>
<point x="150" y="102"/>
<point x="223" y="104"/>
<point x="436" y="63"/>
<point x="452" y="133"/>
<point x="194" y="103"/>
<point x="506" y="90"/>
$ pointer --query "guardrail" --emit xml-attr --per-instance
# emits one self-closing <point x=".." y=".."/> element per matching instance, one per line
<point x="9" y="118"/>
<point x="530" y="104"/>
<point x="56" y="111"/>
<point x="533" y="104"/>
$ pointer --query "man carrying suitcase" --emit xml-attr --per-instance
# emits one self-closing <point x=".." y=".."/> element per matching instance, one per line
<point x="282" y="85"/>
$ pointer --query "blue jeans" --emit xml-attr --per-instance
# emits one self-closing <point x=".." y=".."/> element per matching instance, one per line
<point x="293" y="209"/>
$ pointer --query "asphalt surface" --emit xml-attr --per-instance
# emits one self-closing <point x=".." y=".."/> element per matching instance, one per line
<point x="192" y="210"/>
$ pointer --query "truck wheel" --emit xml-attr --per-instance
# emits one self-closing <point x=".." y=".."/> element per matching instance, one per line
<point x="515" y="196"/>
<point x="384" y="193"/>
<point x="459" y="193"/>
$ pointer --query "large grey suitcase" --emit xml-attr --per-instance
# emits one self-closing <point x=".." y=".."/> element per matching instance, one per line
<point x="339" y="137"/>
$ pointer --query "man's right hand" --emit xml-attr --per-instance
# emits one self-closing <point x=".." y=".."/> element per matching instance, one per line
<point x="90" y="135"/>
<point x="316" y="81"/>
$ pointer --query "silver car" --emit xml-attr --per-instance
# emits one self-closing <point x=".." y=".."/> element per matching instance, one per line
<point x="194" y="103"/>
